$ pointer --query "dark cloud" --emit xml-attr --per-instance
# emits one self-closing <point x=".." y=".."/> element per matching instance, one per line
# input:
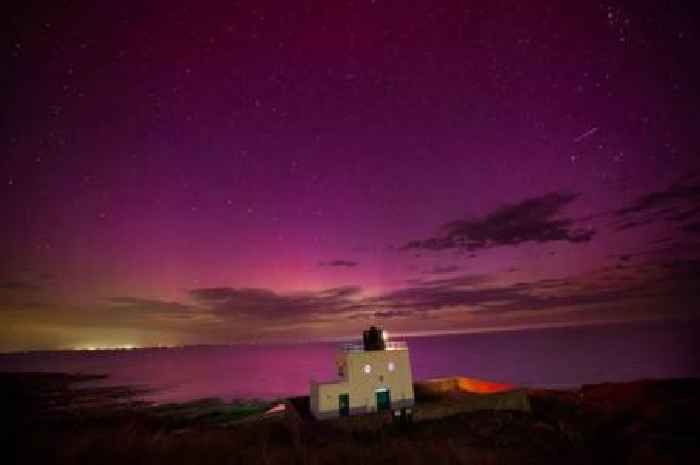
<point x="692" y="228"/>
<point x="659" y="250"/>
<point x="340" y="263"/>
<point x="21" y="294"/>
<point x="20" y="279"/>
<point x="677" y="204"/>
<point x="683" y="270"/>
<point x="446" y="294"/>
<point x="623" y="257"/>
<point x="677" y="192"/>
<point x="16" y="285"/>
<point x="392" y="314"/>
<point x="152" y="307"/>
<point x="684" y="215"/>
<point x="613" y="286"/>
<point x="267" y="304"/>
<point x="634" y="224"/>
<point x="464" y="280"/>
<point x="532" y="220"/>
<point x="621" y="285"/>
<point x="443" y="269"/>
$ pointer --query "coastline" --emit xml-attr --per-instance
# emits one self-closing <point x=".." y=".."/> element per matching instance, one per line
<point x="55" y="418"/>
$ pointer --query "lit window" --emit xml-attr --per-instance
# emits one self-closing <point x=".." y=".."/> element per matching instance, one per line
<point x="392" y="366"/>
<point x="368" y="368"/>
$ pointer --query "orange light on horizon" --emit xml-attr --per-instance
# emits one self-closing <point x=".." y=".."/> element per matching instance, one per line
<point x="482" y="387"/>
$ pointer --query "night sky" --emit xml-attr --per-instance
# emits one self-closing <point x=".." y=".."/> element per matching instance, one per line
<point x="199" y="173"/>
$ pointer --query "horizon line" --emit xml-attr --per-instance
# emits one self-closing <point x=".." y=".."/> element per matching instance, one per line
<point x="346" y="338"/>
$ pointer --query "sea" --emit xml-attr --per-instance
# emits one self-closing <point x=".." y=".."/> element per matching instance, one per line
<point x="550" y="358"/>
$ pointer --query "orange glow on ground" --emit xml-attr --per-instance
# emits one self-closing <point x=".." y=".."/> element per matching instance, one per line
<point x="482" y="387"/>
<point x="462" y="384"/>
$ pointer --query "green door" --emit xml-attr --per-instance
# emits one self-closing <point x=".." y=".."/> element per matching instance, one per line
<point x="383" y="399"/>
<point x="344" y="405"/>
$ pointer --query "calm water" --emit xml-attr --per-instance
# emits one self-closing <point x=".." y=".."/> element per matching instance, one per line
<point x="560" y="357"/>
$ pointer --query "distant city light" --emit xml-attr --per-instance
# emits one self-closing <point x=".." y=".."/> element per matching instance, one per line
<point x="99" y="347"/>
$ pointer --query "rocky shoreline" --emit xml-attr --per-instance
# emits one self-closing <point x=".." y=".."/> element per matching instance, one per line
<point x="54" y="418"/>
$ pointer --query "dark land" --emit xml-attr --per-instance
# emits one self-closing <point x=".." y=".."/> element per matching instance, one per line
<point x="57" y="419"/>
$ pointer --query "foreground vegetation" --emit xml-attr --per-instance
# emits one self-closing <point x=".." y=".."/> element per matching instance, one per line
<point x="50" y="420"/>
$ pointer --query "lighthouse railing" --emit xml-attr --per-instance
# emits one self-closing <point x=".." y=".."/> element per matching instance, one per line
<point x="389" y="345"/>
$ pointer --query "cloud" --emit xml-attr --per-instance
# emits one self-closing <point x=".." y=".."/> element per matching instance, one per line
<point x="532" y="220"/>
<point x="682" y="270"/>
<point x="392" y="314"/>
<point x="268" y="304"/>
<point x="143" y="311"/>
<point x="339" y="263"/>
<point x="679" y="191"/>
<point x="651" y="284"/>
<point x="138" y="304"/>
<point x="678" y="203"/>
<point x="692" y="227"/>
<point x="16" y="285"/>
<point x="22" y="294"/>
<point x="443" y="269"/>
<point x="448" y="294"/>
<point x="615" y="286"/>
<point x="463" y="280"/>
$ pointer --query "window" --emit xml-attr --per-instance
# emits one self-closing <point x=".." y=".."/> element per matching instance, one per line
<point x="392" y="367"/>
<point x="367" y="368"/>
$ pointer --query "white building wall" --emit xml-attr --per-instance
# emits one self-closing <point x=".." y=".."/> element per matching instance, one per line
<point x="362" y="386"/>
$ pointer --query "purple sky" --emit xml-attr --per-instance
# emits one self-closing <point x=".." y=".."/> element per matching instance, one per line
<point x="187" y="172"/>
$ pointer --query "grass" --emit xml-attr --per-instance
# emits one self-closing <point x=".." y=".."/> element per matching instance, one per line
<point x="51" y="422"/>
<point x="208" y="411"/>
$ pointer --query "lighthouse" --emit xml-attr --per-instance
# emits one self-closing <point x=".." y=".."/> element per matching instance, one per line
<point x="372" y="377"/>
